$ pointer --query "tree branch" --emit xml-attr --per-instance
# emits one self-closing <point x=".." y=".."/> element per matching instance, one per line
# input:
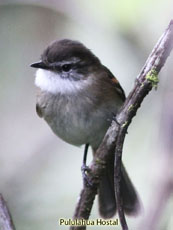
<point x="6" y="222"/>
<point x="114" y="138"/>
<point x="146" y="80"/>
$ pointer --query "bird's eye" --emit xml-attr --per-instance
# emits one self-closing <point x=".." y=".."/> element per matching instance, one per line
<point x="66" y="67"/>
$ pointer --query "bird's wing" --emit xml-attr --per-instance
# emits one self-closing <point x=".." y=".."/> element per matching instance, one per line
<point x="116" y="83"/>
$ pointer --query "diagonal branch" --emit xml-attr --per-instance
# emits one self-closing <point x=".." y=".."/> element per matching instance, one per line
<point x="6" y="222"/>
<point x="114" y="138"/>
<point x="146" y="80"/>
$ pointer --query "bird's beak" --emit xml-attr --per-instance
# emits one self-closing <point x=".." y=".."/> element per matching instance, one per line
<point x="39" y="65"/>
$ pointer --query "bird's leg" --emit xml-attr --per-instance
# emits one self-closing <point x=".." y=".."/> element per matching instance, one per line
<point x="115" y="119"/>
<point x="85" y="169"/>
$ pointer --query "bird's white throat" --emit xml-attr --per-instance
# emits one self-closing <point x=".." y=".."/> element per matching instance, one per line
<point x="50" y="81"/>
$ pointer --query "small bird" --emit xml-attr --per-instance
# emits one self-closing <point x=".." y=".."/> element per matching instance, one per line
<point x="78" y="97"/>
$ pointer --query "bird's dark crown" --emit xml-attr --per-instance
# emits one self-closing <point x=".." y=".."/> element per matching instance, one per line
<point x="69" y="58"/>
<point x="66" y="50"/>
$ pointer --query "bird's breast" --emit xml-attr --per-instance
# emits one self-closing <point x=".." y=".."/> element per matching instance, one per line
<point x="75" y="119"/>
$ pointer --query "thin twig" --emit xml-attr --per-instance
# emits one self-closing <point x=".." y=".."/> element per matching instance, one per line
<point x="6" y="222"/>
<point x="114" y="138"/>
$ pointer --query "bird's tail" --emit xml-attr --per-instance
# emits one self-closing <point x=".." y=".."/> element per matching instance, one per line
<point x="106" y="193"/>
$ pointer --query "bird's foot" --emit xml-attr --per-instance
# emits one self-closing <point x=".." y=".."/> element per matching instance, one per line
<point x="85" y="174"/>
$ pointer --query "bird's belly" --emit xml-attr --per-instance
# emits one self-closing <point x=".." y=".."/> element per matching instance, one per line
<point x="77" y="130"/>
<point x="75" y="121"/>
<point x="68" y="131"/>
